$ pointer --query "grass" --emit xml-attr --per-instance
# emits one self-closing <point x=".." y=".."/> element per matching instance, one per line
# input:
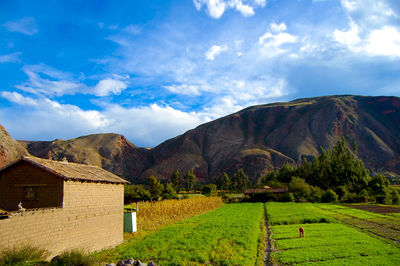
<point x="330" y="242"/>
<point x="386" y="226"/>
<point x="294" y="213"/>
<point x="75" y="257"/>
<point x="226" y="236"/>
<point x="22" y="255"/>
<point x="155" y="215"/>
<point x="327" y="243"/>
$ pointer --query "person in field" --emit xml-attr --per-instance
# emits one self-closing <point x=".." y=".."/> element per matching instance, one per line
<point x="301" y="229"/>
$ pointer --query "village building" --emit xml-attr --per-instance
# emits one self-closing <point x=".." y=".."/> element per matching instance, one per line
<point x="60" y="206"/>
<point x="266" y="189"/>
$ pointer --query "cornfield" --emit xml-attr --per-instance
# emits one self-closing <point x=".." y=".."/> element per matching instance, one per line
<point x="154" y="215"/>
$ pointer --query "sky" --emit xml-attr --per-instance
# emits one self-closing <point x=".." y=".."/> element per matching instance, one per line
<point x="151" y="70"/>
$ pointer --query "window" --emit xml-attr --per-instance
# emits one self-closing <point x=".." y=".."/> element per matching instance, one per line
<point x="31" y="193"/>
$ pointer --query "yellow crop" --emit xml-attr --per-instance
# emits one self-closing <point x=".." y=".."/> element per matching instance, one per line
<point x="154" y="215"/>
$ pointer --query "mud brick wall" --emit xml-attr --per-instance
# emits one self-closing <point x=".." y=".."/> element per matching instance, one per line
<point x="42" y="228"/>
<point x="91" y="218"/>
<point x="93" y="214"/>
<point x="14" y="180"/>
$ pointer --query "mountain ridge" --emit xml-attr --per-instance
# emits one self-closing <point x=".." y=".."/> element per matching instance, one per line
<point x="258" y="139"/>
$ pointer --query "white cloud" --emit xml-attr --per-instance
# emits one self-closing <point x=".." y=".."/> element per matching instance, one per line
<point x="48" y="81"/>
<point x="109" y="86"/>
<point x="278" y="27"/>
<point x="349" y="38"/>
<point x="18" y="98"/>
<point x="10" y="58"/>
<point x="384" y="41"/>
<point x="214" y="51"/>
<point x="371" y="29"/>
<point x="245" y="10"/>
<point x="25" y="26"/>
<point x="271" y="43"/>
<point x="216" y="8"/>
<point x="185" y="89"/>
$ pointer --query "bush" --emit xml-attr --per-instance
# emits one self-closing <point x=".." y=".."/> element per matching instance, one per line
<point x="287" y="197"/>
<point x="74" y="258"/>
<point x="209" y="189"/>
<point x="261" y="197"/>
<point x="21" y="254"/>
<point x="329" y="196"/>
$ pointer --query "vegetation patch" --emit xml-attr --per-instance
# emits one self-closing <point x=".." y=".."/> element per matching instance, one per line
<point x="294" y="213"/>
<point x="22" y="255"/>
<point x="155" y="215"/>
<point x="328" y="243"/>
<point x="226" y="236"/>
<point x="332" y="244"/>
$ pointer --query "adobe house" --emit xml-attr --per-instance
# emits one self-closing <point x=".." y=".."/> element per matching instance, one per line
<point x="68" y="205"/>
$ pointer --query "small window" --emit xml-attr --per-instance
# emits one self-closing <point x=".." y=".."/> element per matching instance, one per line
<point x="31" y="193"/>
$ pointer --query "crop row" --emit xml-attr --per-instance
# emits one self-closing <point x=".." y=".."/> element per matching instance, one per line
<point x="155" y="215"/>
<point x="225" y="236"/>
<point x="326" y="243"/>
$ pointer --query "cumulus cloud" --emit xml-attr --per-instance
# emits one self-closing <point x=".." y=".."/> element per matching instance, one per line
<point x="109" y="86"/>
<point x="272" y="41"/>
<point x="216" y="8"/>
<point x="25" y="26"/>
<point x="371" y="30"/>
<point x="214" y="51"/>
<point x="10" y="58"/>
<point x="146" y="125"/>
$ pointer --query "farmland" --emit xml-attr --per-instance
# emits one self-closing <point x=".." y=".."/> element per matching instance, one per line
<point x="229" y="235"/>
<point x="330" y="242"/>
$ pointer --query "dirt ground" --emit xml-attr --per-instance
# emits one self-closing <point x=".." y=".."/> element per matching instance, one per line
<point x="375" y="208"/>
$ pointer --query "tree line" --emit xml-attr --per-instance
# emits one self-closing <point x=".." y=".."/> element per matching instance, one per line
<point x="335" y="175"/>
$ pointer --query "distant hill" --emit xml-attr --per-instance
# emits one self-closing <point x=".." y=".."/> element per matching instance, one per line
<point x="10" y="150"/>
<point x="112" y="152"/>
<point x="257" y="139"/>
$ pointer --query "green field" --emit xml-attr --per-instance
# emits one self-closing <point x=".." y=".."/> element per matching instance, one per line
<point x="294" y="213"/>
<point x="326" y="243"/>
<point x="227" y="236"/>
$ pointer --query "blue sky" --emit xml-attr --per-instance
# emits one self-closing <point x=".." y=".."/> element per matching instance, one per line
<point x="151" y="70"/>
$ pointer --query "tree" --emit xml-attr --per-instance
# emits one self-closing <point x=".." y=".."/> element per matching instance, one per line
<point x="329" y="196"/>
<point x="176" y="180"/>
<point x="223" y="181"/>
<point x="299" y="187"/>
<point x="189" y="180"/>
<point x="210" y="189"/>
<point x="240" y="181"/>
<point x="156" y="188"/>
<point x="169" y="192"/>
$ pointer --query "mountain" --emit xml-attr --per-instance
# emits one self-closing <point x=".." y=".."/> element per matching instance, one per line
<point x="10" y="150"/>
<point x="112" y="152"/>
<point x="258" y="139"/>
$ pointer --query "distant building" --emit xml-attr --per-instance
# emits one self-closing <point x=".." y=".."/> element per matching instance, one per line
<point x="275" y="191"/>
<point x="68" y="205"/>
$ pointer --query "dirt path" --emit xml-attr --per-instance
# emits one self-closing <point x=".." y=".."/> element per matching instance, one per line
<point x="268" y="246"/>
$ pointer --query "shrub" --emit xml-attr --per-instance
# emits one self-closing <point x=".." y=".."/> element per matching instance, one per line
<point x="329" y="196"/>
<point x="209" y="190"/>
<point x="21" y="254"/>
<point x="74" y="258"/>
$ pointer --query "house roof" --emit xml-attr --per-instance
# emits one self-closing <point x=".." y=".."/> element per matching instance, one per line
<point x="268" y="189"/>
<point x="73" y="171"/>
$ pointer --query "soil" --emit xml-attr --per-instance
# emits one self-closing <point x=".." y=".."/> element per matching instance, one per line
<point x="375" y="208"/>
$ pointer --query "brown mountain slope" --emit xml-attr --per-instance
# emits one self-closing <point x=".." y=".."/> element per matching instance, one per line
<point x="257" y="139"/>
<point x="261" y="138"/>
<point x="10" y="150"/>
<point x="112" y="152"/>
